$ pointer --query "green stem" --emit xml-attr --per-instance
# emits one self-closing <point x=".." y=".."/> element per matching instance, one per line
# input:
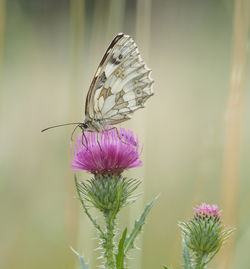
<point x="108" y="243"/>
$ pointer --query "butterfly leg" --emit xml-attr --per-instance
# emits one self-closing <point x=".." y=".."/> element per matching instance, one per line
<point x="71" y="138"/>
<point x="97" y="140"/>
<point x="118" y="135"/>
<point x="86" y="140"/>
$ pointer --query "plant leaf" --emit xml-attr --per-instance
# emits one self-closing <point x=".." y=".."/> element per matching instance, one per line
<point x="78" y="189"/>
<point x="81" y="260"/>
<point x="121" y="255"/>
<point x="129" y="242"/>
<point x="165" y="267"/>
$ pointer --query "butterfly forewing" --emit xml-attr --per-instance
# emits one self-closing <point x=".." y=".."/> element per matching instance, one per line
<point x="122" y="83"/>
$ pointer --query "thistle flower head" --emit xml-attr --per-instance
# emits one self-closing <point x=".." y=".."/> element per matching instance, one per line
<point x="108" y="152"/>
<point x="204" y="234"/>
<point x="207" y="211"/>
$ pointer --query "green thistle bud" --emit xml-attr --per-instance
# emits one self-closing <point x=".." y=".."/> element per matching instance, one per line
<point x="204" y="235"/>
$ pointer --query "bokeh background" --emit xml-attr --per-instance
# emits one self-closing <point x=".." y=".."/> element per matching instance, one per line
<point x="195" y="130"/>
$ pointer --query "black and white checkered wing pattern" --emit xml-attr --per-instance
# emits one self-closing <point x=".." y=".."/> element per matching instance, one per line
<point x="122" y="83"/>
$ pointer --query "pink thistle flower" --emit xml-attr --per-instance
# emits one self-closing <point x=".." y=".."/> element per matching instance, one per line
<point x="112" y="155"/>
<point x="207" y="211"/>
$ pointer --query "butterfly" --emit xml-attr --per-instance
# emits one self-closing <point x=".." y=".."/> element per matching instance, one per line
<point x="121" y="85"/>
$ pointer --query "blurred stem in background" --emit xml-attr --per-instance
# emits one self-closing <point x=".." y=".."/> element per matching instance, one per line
<point x="2" y="24"/>
<point x="77" y="10"/>
<point x="116" y="14"/>
<point x="143" y="25"/>
<point x="142" y="33"/>
<point x="231" y="174"/>
<point x="76" y="71"/>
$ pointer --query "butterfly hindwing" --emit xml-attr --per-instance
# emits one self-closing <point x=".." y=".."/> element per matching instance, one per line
<point x="122" y="83"/>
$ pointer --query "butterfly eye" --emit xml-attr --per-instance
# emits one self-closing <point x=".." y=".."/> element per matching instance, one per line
<point x="120" y="56"/>
<point x="85" y="126"/>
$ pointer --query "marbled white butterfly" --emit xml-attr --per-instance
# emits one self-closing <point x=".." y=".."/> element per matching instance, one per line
<point x="121" y="85"/>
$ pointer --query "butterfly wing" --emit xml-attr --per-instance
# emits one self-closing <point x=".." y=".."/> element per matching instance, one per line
<point x="122" y="83"/>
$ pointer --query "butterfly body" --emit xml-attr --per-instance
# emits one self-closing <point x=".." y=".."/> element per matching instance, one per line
<point x="91" y="125"/>
<point x="121" y="85"/>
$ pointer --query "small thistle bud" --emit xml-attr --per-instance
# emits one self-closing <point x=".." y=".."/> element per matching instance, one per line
<point x="204" y="234"/>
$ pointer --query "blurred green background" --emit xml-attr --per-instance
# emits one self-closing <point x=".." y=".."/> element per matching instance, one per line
<point x="49" y="51"/>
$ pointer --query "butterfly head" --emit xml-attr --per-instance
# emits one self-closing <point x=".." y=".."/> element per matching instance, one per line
<point x="84" y="126"/>
<point x="89" y="126"/>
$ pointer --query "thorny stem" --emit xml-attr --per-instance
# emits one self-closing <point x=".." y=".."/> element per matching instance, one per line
<point x="108" y="243"/>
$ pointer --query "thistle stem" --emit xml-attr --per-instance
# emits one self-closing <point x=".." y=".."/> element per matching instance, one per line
<point x="108" y="243"/>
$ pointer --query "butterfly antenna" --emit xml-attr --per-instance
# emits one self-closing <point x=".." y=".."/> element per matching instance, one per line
<point x="72" y="123"/>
